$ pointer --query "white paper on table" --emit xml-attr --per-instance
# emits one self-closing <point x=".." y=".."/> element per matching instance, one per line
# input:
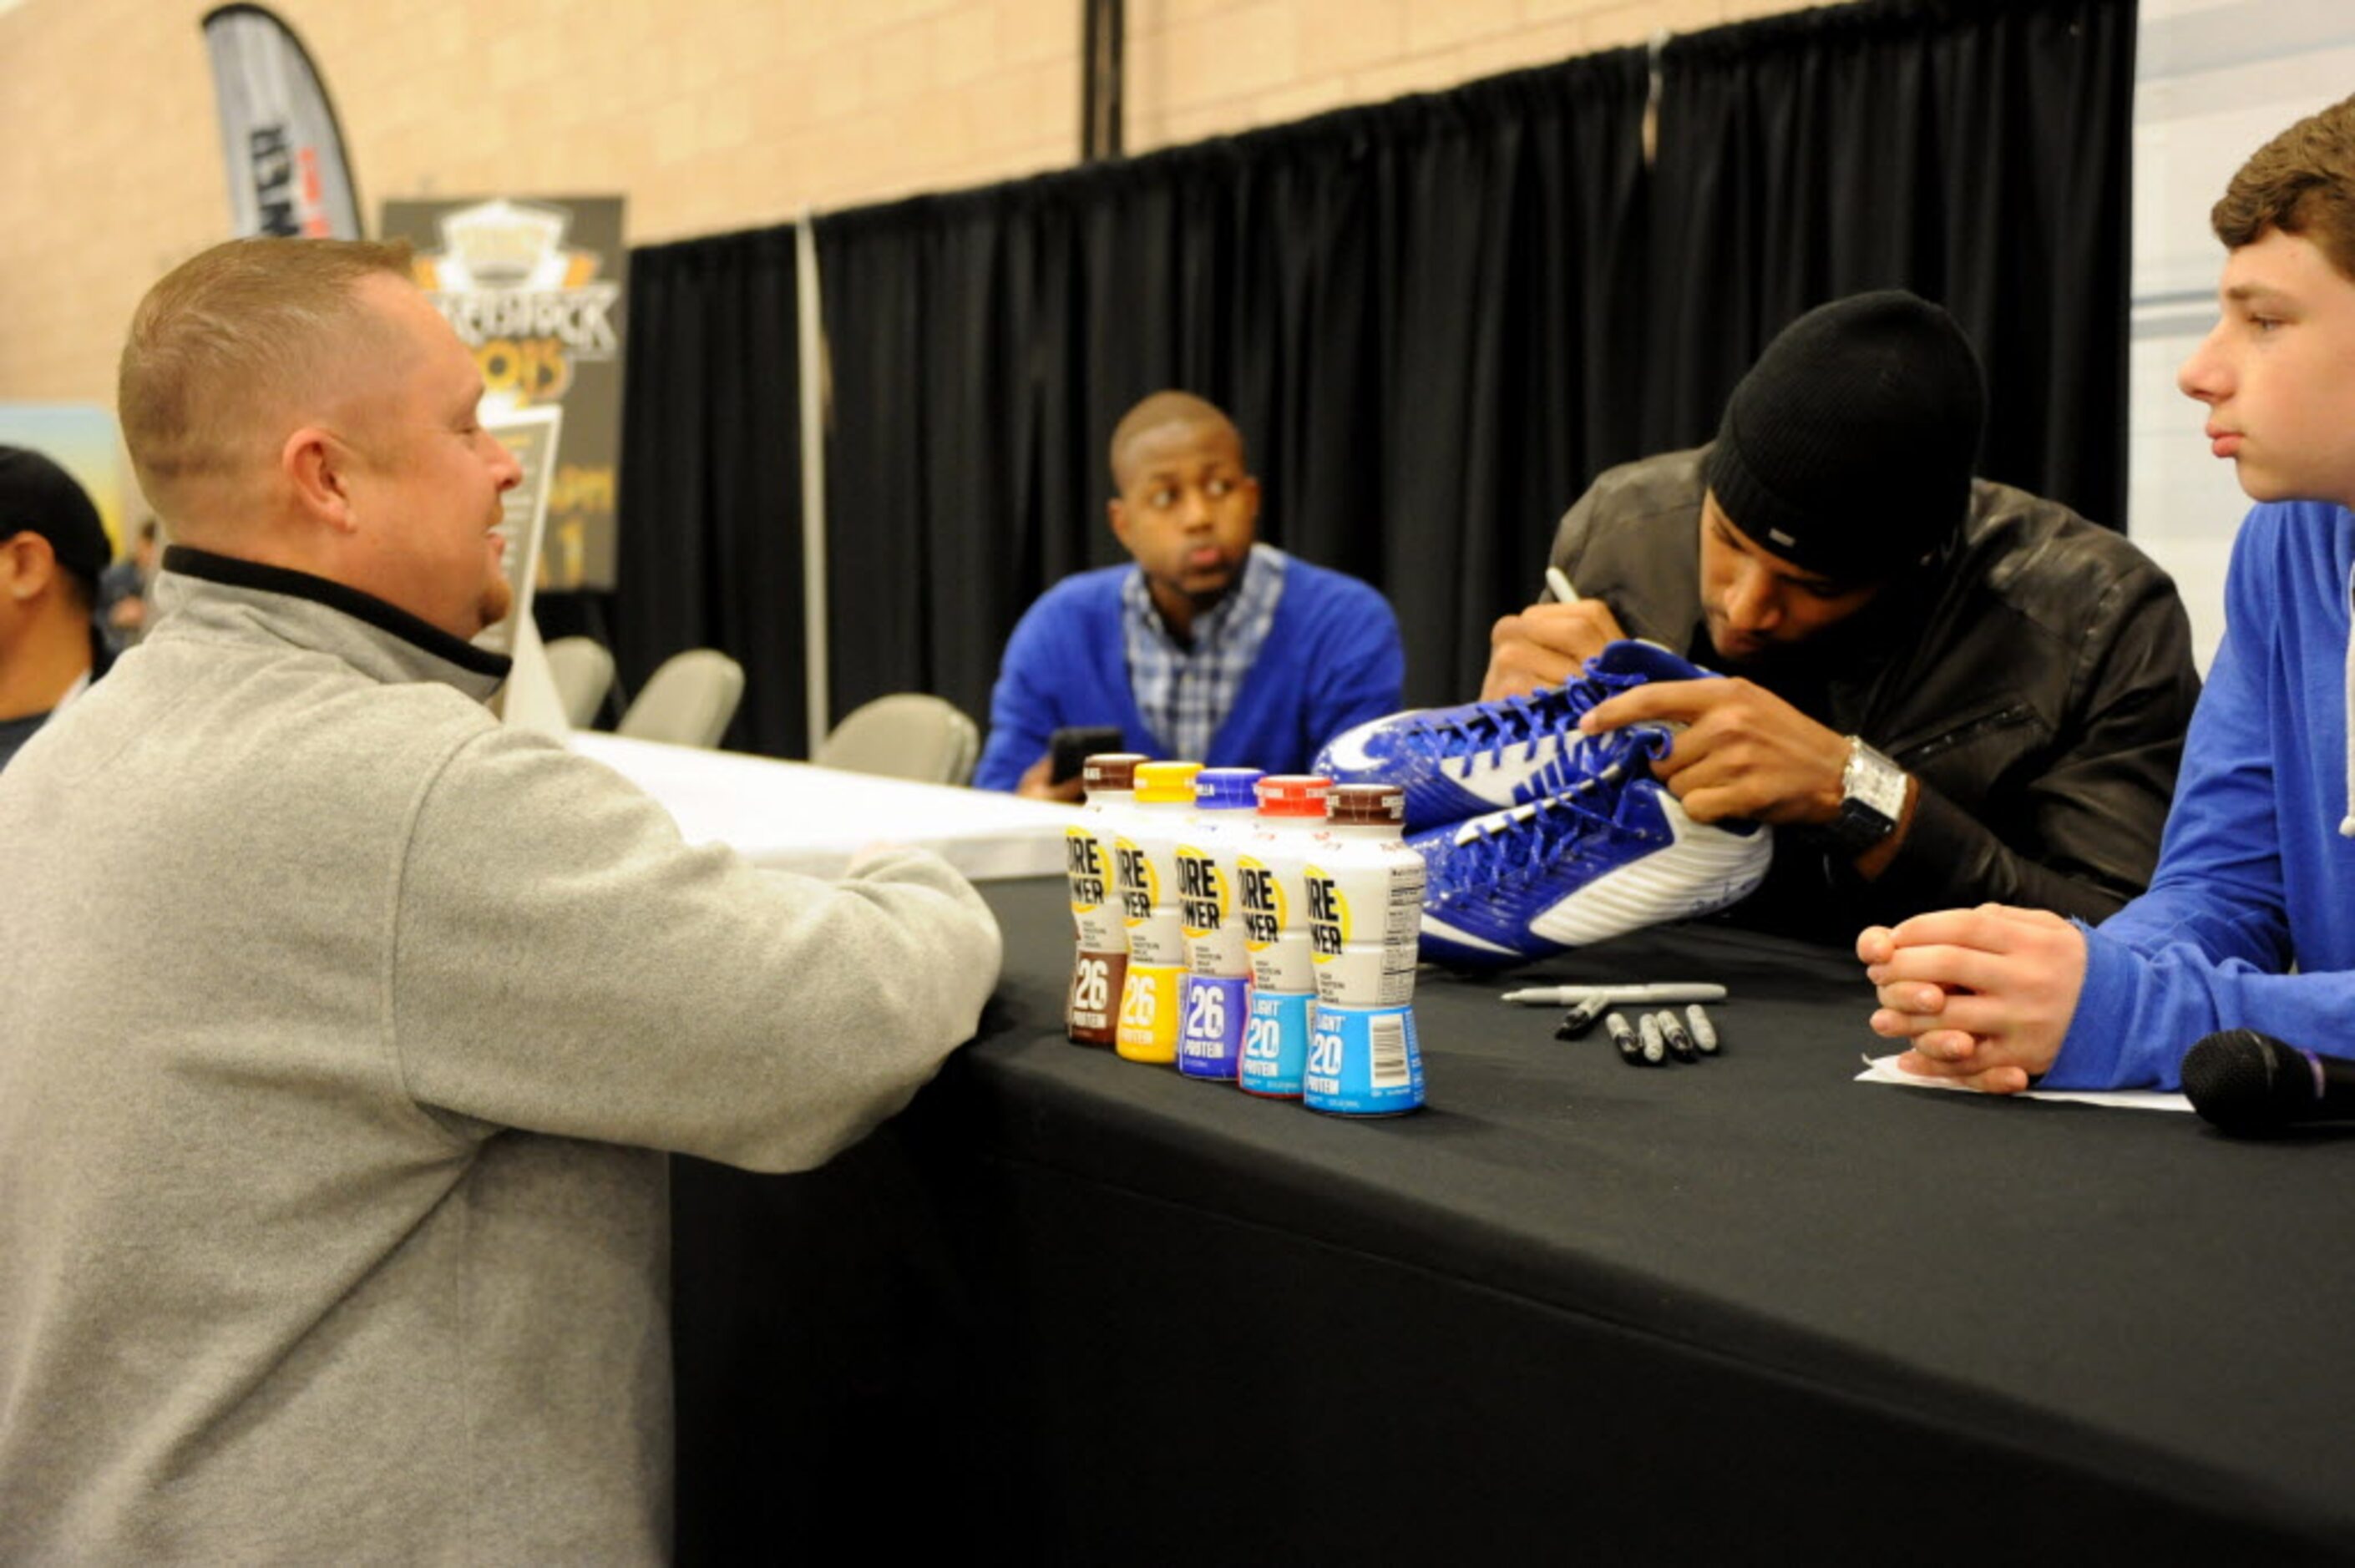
<point x="1884" y="1070"/>
<point x="793" y="816"/>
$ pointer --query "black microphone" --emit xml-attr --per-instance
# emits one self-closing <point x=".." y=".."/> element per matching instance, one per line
<point x="2248" y="1083"/>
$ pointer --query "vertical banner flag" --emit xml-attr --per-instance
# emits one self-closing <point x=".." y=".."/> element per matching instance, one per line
<point x="286" y="169"/>
<point x="536" y="289"/>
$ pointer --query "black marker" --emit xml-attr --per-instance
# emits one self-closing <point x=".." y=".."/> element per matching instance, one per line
<point x="1625" y="1038"/>
<point x="1680" y="1044"/>
<point x="1580" y="1019"/>
<point x="1704" y="1032"/>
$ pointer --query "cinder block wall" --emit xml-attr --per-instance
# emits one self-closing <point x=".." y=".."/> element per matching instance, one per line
<point x="709" y="115"/>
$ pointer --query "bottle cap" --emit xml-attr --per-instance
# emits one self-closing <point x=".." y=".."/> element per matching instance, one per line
<point x="1166" y="783"/>
<point x="1294" y="795"/>
<point x="1114" y="771"/>
<point x="1367" y="806"/>
<point x="1226" y="789"/>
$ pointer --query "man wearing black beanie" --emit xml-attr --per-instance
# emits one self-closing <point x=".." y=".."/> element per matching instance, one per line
<point x="52" y="549"/>
<point x="1946" y="690"/>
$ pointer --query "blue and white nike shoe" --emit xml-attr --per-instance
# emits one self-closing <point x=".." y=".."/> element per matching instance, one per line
<point x="1612" y="854"/>
<point x="1476" y="757"/>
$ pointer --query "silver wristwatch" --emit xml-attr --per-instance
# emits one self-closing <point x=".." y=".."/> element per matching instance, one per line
<point x="1872" y="800"/>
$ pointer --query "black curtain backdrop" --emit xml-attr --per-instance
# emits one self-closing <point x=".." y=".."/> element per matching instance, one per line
<point x="1976" y="152"/>
<point x="1415" y="312"/>
<point x="710" y="547"/>
<point x="1434" y="320"/>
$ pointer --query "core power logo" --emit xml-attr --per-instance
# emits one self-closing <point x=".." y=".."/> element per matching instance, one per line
<point x="1328" y="917"/>
<point x="1140" y="886"/>
<point x="1083" y="867"/>
<point x="1261" y="894"/>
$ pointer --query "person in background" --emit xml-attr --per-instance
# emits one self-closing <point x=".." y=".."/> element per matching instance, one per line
<point x="2247" y="924"/>
<point x="122" y="592"/>
<point x="336" y="1229"/>
<point x="52" y="551"/>
<point x="1211" y="646"/>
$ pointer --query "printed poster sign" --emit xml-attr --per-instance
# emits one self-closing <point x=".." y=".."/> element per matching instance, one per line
<point x="533" y="435"/>
<point x="536" y="287"/>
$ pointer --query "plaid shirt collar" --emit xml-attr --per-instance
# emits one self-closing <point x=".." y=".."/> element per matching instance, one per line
<point x="1185" y="693"/>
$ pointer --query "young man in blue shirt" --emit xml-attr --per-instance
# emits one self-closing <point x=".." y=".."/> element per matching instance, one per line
<point x="1211" y="646"/>
<point x="2246" y="923"/>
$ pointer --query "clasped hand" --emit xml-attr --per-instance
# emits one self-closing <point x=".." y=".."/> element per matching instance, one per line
<point x="1983" y="996"/>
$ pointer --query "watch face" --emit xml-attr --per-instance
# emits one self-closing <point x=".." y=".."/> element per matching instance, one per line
<point x="1872" y="791"/>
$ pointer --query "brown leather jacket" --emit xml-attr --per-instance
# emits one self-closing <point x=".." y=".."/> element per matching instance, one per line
<point x="2036" y="680"/>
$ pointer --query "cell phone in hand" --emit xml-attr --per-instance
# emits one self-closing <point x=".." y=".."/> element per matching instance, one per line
<point x="1071" y="745"/>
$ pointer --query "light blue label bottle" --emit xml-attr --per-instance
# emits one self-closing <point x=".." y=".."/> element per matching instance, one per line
<point x="1275" y="1046"/>
<point x="1363" y="1061"/>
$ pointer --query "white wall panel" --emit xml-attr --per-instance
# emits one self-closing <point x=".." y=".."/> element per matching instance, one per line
<point x="2215" y="80"/>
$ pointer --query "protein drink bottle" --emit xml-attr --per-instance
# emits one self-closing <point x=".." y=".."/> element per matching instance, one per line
<point x="1216" y="996"/>
<point x="1364" y="906"/>
<point x="1273" y="898"/>
<point x="1101" y="959"/>
<point x="1144" y="855"/>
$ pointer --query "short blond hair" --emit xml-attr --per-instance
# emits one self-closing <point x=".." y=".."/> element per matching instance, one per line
<point x="230" y="336"/>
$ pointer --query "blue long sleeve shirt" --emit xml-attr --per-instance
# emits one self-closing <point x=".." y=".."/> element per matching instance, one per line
<point x="2253" y="876"/>
<point x="1332" y="659"/>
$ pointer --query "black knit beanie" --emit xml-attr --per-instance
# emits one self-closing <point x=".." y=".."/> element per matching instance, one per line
<point x="36" y="496"/>
<point x="1848" y="449"/>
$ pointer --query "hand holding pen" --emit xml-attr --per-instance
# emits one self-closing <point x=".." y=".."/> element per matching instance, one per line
<point x="1549" y="642"/>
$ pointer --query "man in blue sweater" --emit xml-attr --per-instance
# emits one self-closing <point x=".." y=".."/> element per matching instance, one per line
<point x="2247" y="923"/>
<point x="1211" y="648"/>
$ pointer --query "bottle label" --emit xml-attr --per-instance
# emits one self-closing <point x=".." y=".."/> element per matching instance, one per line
<point x="1155" y="935"/>
<point x="1140" y="889"/>
<point x="1087" y="868"/>
<point x="1362" y="932"/>
<point x="1088" y="1012"/>
<point x="1259" y="894"/>
<point x="1275" y="927"/>
<point x="1148" y="1013"/>
<point x="1217" y="1010"/>
<point x="1214" y="936"/>
<point x="1363" y="1061"/>
<point x="1275" y="1044"/>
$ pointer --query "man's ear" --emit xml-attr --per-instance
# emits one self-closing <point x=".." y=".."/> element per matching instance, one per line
<point x="30" y="564"/>
<point x="1118" y="516"/>
<point x="317" y="468"/>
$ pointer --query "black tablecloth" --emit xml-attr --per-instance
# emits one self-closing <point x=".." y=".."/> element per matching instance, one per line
<point x="1071" y="1308"/>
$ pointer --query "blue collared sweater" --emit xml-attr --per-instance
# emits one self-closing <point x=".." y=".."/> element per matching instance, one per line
<point x="1332" y="660"/>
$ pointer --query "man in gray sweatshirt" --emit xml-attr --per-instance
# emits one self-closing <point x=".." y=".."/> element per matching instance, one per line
<point x="332" y="1224"/>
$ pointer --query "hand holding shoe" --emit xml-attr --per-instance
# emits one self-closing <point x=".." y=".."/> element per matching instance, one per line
<point x="1744" y="752"/>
